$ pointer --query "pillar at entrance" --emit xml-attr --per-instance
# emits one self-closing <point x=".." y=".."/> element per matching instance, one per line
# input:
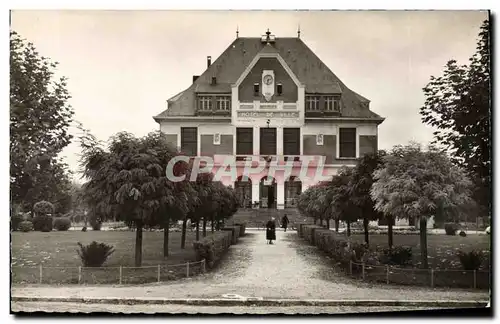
<point x="255" y="192"/>
<point x="280" y="199"/>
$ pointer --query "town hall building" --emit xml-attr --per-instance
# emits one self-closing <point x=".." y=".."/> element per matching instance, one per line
<point x="272" y="97"/>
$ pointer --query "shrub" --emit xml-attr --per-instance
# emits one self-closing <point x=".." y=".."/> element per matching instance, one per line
<point x="451" y="228"/>
<point x="43" y="207"/>
<point x="213" y="247"/>
<point x="15" y="220"/>
<point x="398" y="255"/>
<point x="84" y="229"/>
<point x="94" y="254"/>
<point x="242" y="228"/>
<point x="95" y="223"/>
<point x="25" y="226"/>
<point x="462" y="234"/>
<point x="42" y="223"/>
<point x="471" y="260"/>
<point x="235" y="232"/>
<point x="62" y="223"/>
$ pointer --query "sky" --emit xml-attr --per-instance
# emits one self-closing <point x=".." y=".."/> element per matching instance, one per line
<point x="122" y="66"/>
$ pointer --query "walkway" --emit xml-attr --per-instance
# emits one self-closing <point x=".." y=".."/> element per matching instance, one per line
<point x="288" y="269"/>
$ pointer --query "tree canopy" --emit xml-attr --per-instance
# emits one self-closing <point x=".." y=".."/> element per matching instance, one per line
<point x="458" y="105"/>
<point x="40" y="117"/>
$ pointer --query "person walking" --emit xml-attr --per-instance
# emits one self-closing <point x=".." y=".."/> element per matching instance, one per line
<point x="271" y="230"/>
<point x="285" y="222"/>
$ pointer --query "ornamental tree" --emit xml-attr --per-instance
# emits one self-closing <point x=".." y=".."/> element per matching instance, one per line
<point x="359" y="189"/>
<point x="417" y="183"/>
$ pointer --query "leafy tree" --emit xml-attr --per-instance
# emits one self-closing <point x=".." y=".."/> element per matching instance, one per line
<point x="342" y="205"/>
<point x="127" y="181"/>
<point x="359" y="190"/>
<point x="417" y="183"/>
<point x="458" y="104"/>
<point x="40" y="117"/>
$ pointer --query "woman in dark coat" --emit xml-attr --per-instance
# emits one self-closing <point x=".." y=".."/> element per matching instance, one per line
<point x="284" y="222"/>
<point x="271" y="231"/>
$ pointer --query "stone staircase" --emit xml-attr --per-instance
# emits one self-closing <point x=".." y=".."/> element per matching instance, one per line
<point x="257" y="218"/>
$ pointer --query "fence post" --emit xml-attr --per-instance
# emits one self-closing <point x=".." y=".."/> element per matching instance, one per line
<point x="350" y="267"/>
<point x="41" y="273"/>
<point x="159" y="269"/>
<point x="475" y="279"/>
<point x="120" y="275"/>
<point x="79" y="275"/>
<point x="387" y="274"/>
<point x="203" y="266"/>
<point x="363" y="267"/>
<point x="187" y="270"/>
<point x="432" y="278"/>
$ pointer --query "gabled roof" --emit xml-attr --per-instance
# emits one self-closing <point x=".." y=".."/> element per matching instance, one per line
<point x="308" y="68"/>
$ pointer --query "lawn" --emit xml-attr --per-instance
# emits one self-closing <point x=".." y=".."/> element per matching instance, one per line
<point x="58" y="249"/>
<point x="441" y="249"/>
<point x="442" y="256"/>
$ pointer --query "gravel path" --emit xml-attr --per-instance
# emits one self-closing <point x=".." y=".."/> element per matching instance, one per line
<point x="288" y="269"/>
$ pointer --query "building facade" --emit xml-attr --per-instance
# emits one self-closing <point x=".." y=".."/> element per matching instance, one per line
<point x="273" y="98"/>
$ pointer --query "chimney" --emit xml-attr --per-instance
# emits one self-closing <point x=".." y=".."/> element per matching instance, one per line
<point x="214" y="80"/>
<point x="195" y="77"/>
<point x="209" y="61"/>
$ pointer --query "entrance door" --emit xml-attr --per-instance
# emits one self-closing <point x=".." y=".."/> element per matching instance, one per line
<point x="268" y="191"/>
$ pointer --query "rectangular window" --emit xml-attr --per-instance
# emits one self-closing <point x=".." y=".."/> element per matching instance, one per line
<point x="223" y="103"/>
<point x="347" y="141"/>
<point x="312" y="103"/>
<point x="244" y="141"/>
<point x="291" y="141"/>
<point x="189" y="141"/>
<point x="332" y="104"/>
<point x="268" y="141"/>
<point x="205" y="103"/>
<point x="256" y="89"/>
<point x="279" y="89"/>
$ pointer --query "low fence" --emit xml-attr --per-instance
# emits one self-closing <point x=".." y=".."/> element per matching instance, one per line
<point x="420" y="277"/>
<point x="105" y="275"/>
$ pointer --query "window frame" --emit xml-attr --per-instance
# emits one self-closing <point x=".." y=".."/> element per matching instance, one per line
<point x="223" y="101"/>
<point x="313" y="99"/>
<point x="340" y="142"/>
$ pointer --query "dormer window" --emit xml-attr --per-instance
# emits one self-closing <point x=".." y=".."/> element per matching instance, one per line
<point x="205" y="103"/>
<point x="332" y="103"/>
<point x="312" y="103"/>
<point x="223" y="103"/>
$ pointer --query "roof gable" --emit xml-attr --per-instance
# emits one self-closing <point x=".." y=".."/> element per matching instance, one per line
<point x="303" y="62"/>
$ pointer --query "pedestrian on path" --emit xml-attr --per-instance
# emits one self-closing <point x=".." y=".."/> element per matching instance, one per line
<point x="271" y="230"/>
<point x="284" y="222"/>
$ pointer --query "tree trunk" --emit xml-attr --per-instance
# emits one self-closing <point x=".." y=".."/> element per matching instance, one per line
<point x="213" y="223"/>
<point x="183" y="237"/>
<point x="423" y="241"/>
<point x="197" y="230"/>
<point x="328" y="223"/>
<point x="204" y="227"/>
<point x="138" y="244"/>
<point x="348" y="228"/>
<point x="321" y="221"/>
<point x="166" y="231"/>
<point x="365" y="227"/>
<point x="337" y="223"/>
<point x="389" y="232"/>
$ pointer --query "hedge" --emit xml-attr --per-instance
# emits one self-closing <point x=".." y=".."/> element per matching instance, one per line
<point x="235" y="232"/>
<point x="42" y="223"/>
<point x="62" y="223"/>
<point x="213" y="247"/>
<point x="308" y="232"/>
<point x="242" y="228"/>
